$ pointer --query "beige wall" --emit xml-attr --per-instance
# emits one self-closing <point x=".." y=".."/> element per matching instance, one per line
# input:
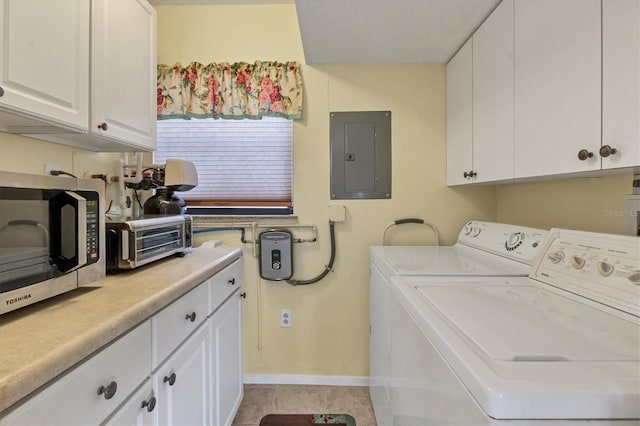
<point x="331" y="318"/>
<point x="589" y="204"/>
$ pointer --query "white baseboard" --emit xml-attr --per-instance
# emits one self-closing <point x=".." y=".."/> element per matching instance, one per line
<point x="297" y="379"/>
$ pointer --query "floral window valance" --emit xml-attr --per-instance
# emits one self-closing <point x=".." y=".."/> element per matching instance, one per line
<point x="223" y="90"/>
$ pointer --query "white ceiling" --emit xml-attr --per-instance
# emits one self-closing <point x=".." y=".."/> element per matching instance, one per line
<point x="387" y="31"/>
<point x="378" y="31"/>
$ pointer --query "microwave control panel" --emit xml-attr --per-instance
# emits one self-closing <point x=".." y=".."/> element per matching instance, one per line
<point x="93" y="226"/>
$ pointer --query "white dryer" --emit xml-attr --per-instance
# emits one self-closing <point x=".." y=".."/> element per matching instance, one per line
<point x="482" y="249"/>
<point x="561" y="347"/>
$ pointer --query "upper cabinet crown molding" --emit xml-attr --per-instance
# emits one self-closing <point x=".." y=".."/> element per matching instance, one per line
<point x="56" y="86"/>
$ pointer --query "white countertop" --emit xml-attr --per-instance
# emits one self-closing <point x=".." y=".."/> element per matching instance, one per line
<point x="41" y="341"/>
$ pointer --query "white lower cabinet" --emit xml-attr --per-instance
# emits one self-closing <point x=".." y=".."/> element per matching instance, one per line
<point x="140" y="409"/>
<point x="92" y="391"/>
<point x="183" y="397"/>
<point x="226" y="360"/>
<point x="193" y="378"/>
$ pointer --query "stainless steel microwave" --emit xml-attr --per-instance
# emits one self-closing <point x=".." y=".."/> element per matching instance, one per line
<point x="51" y="236"/>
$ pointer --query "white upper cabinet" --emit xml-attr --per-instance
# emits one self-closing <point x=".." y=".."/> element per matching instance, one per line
<point x="620" y="83"/>
<point x="557" y="86"/>
<point x="123" y="71"/>
<point x="493" y="96"/>
<point x="79" y="72"/>
<point x="44" y="63"/>
<point x="459" y="117"/>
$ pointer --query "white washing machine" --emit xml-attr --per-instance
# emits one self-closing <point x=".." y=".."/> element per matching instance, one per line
<point x="560" y="347"/>
<point x="482" y="249"/>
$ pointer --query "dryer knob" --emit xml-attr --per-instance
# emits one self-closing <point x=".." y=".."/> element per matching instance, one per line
<point x="577" y="262"/>
<point x="605" y="269"/>
<point x="556" y="257"/>
<point x="634" y="277"/>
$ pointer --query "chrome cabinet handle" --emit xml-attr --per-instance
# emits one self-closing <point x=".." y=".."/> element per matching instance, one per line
<point x="108" y="391"/>
<point x="243" y="294"/>
<point x="149" y="403"/>
<point x="470" y="174"/>
<point x="103" y="126"/>
<point x="232" y="281"/>
<point x="606" y="150"/>
<point x="584" y="154"/>
<point x="191" y="317"/>
<point x="171" y="379"/>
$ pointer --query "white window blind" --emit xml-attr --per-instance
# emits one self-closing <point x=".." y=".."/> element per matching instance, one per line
<point x="237" y="160"/>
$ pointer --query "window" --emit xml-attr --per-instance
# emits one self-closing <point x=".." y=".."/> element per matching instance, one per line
<point x="245" y="167"/>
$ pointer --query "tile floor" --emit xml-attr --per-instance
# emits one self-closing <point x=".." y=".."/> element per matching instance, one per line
<point x="260" y="400"/>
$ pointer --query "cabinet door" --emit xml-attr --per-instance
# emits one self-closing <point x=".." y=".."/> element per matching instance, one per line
<point x="379" y="347"/>
<point x="92" y="391"/>
<point x="621" y="82"/>
<point x="226" y="360"/>
<point x="183" y="382"/>
<point x="139" y="410"/>
<point x="557" y="86"/>
<point x="124" y="71"/>
<point x="44" y="62"/>
<point x="459" y="116"/>
<point x="493" y="96"/>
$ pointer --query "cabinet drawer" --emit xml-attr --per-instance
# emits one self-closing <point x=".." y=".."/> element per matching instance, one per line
<point x="224" y="283"/>
<point x="176" y="322"/>
<point x="74" y="398"/>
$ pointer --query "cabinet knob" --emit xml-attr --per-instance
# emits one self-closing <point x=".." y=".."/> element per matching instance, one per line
<point x="470" y="174"/>
<point x="243" y="294"/>
<point x="606" y="150"/>
<point x="584" y="154"/>
<point x="108" y="391"/>
<point x="149" y="403"/>
<point x="1" y="92"/>
<point x="232" y="281"/>
<point x="191" y="317"/>
<point x="103" y="126"/>
<point x="171" y="379"/>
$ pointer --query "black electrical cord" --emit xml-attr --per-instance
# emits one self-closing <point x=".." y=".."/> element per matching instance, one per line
<point x="327" y="268"/>
<point x="62" y="172"/>
<point x="135" y="192"/>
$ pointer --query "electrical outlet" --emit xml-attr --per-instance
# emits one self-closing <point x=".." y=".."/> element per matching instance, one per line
<point x="285" y="318"/>
<point x="48" y="167"/>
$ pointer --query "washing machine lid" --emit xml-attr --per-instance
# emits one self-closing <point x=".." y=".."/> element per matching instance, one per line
<point x="525" y="350"/>
<point x="533" y="324"/>
<point x="455" y="260"/>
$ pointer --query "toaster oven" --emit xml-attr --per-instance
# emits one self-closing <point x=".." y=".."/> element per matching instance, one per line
<point x="133" y="243"/>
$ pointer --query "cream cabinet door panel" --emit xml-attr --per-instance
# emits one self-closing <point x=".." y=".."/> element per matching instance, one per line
<point x="459" y="116"/>
<point x="621" y="82"/>
<point x="557" y="86"/>
<point x="44" y="62"/>
<point x="493" y="96"/>
<point x="124" y="71"/>
<point x="183" y="382"/>
<point x="226" y="352"/>
<point x="140" y="409"/>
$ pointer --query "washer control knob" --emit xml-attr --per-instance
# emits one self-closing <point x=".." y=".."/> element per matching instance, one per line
<point x="577" y="262"/>
<point x="634" y="277"/>
<point x="514" y="241"/>
<point x="556" y="257"/>
<point x="475" y="232"/>
<point x="605" y="269"/>
<point x="467" y="229"/>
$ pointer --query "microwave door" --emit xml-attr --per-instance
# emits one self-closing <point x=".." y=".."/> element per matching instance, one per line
<point x="68" y="229"/>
